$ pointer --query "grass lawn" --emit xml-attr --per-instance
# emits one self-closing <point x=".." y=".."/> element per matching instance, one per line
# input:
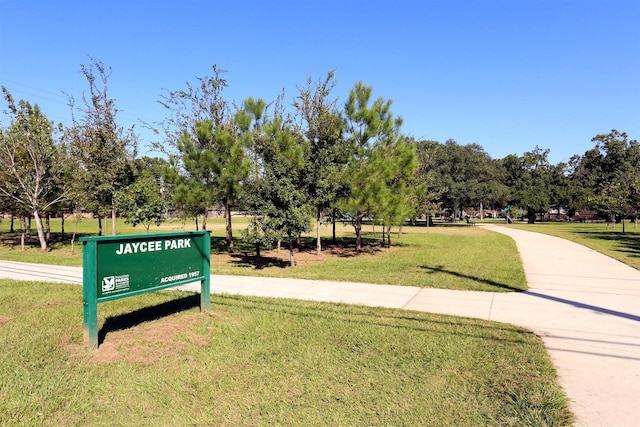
<point x="623" y="247"/>
<point x="253" y="361"/>
<point x="452" y="257"/>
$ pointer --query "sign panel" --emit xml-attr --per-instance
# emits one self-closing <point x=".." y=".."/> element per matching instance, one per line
<point x="126" y="265"/>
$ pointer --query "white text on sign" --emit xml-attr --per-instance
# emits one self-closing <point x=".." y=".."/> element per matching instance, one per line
<point x="153" y="246"/>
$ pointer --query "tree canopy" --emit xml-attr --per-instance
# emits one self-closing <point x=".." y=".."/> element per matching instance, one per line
<point x="288" y="164"/>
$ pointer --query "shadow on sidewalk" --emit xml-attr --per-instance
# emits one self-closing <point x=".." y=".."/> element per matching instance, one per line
<point x="577" y="304"/>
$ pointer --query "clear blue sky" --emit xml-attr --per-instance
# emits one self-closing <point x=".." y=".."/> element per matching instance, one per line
<point x="508" y="75"/>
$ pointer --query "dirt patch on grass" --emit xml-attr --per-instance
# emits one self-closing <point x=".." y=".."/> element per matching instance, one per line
<point x="5" y="319"/>
<point x="150" y="342"/>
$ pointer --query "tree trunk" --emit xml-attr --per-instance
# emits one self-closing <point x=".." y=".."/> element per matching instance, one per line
<point x="196" y="222"/>
<point x="333" y="224"/>
<point x="204" y="218"/>
<point x="62" y="225"/>
<point x="292" y="261"/>
<point x="99" y="225"/>
<point x="227" y="214"/>
<point x="113" y="218"/>
<point x="73" y="237"/>
<point x="48" y="226"/>
<point x="12" y="229"/>
<point x="258" y="249"/>
<point x="318" y="242"/>
<point x="358" y="228"/>
<point x="43" y="241"/>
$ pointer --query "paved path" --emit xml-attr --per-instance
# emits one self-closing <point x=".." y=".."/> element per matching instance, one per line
<point x="585" y="307"/>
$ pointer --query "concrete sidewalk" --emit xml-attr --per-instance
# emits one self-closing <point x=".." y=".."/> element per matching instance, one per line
<point x="585" y="307"/>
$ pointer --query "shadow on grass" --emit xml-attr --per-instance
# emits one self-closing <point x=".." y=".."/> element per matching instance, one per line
<point x="493" y="283"/>
<point x="627" y="243"/>
<point x="244" y="255"/>
<point x="147" y="314"/>
<point x="258" y="263"/>
<point x="378" y="317"/>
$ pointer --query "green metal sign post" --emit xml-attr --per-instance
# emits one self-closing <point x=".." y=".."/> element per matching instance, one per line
<point x="127" y="265"/>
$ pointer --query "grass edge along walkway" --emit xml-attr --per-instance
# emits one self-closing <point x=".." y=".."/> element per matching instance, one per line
<point x="466" y="258"/>
<point x="263" y="362"/>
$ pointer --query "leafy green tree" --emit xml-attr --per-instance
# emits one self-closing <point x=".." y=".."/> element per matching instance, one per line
<point x="197" y="103"/>
<point x="533" y="188"/>
<point x="283" y="205"/>
<point x="465" y="175"/>
<point x="102" y="150"/>
<point x="328" y="149"/>
<point x="427" y="195"/>
<point x="609" y="173"/>
<point x="232" y="167"/>
<point x="250" y="120"/>
<point x="141" y="202"/>
<point x="559" y="195"/>
<point x="370" y="127"/>
<point x="185" y="192"/>
<point x="193" y="176"/>
<point x="396" y="197"/>
<point x="210" y="156"/>
<point x="30" y="162"/>
<point x="582" y="176"/>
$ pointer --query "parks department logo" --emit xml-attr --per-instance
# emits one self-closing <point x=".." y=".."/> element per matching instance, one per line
<point x="109" y="284"/>
<point x="115" y="283"/>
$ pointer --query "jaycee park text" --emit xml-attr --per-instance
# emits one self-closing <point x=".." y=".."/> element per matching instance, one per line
<point x="153" y="246"/>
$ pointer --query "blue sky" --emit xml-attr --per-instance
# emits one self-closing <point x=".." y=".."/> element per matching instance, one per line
<point x="508" y="75"/>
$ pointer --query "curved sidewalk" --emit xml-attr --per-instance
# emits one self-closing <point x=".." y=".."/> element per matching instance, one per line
<point x="585" y="307"/>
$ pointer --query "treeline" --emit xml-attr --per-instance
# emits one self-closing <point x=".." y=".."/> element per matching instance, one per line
<point x="287" y="165"/>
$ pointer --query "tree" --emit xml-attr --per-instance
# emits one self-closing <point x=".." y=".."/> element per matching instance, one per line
<point x="533" y="187"/>
<point x="102" y="150"/>
<point x="231" y="166"/>
<point x="282" y="203"/>
<point x="559" y="185"/>
<point x="191" y="171"/>
<point x="369" y="128"/>
<point x="142" y="201"/>
<point x="611" y="170"/>
<point x="188" y="107"/>
<point x="30" y="162"/>
<point x="328" y="150"/>
<point x="396" y="196"/>
<point x="465" y="175"/>
<point x="210" y="148"/>
<point x="251" y="119"/>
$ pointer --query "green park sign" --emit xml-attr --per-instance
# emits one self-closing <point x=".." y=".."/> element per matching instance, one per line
<point x="127" y="265"/>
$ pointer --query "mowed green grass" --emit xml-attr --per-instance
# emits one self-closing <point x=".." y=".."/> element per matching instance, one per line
<point x="451" y="257"/>
<point x="609" y="241"/>
<point x="252" y="361"/>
